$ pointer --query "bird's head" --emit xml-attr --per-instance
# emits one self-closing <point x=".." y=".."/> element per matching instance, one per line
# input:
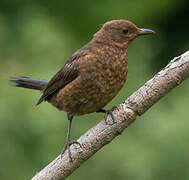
<point x="120" y="32"/>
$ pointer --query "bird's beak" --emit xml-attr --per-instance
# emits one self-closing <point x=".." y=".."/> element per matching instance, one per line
<point x="145" y="31"/>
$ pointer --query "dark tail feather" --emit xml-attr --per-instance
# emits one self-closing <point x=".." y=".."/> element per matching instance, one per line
<point x="29" y="83"/>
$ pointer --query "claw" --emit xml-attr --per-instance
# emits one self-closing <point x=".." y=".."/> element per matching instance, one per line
<point x="115" y="108"/>
<point x="108" y="112"/>
<point x="67" y="147"/>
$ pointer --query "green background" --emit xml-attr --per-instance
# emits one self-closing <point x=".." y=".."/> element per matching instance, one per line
<point x="38" y="36"/>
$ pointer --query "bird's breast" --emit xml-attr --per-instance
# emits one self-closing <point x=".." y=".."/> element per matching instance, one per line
<point x="106" y="70"/>
<point x="101" y="76"/>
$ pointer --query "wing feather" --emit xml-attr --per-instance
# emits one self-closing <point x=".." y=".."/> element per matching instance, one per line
<point x="64" y="76"/>
<point x="68" y="73"/>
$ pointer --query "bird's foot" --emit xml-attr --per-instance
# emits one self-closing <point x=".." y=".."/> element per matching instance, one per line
<point x="67" y="147"/>
<point x="108" y="112"/>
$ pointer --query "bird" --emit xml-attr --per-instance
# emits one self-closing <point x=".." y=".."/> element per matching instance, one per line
<point x="91" y="77"/>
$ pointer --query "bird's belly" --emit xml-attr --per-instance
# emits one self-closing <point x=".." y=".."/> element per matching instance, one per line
<point x="91" y="91"/>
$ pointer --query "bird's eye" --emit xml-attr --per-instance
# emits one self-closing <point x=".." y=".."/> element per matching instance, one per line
<point x="125" y="31"/>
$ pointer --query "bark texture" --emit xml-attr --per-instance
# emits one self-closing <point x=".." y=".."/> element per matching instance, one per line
<point x="101" y="134"/>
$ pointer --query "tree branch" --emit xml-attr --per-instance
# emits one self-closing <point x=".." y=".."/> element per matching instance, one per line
<point x="101" y="134"/>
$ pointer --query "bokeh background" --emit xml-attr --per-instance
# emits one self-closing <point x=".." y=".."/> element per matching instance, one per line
<point x="38" y="36"/>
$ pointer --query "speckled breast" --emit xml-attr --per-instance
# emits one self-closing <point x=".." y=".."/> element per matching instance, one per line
<point x="101" y="76"/>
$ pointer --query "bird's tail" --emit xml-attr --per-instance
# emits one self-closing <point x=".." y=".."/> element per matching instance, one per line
<point x="30" y="83"/>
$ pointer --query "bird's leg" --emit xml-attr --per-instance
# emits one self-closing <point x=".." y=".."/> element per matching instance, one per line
<point x="68" y="142"/>
<point x="107" y="112"/>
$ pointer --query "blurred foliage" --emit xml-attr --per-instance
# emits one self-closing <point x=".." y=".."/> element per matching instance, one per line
<point x="37" y="37"/>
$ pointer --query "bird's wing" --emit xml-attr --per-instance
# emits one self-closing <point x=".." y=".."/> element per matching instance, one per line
<point x="68" y="73"/>
<point x="64" y="76"/>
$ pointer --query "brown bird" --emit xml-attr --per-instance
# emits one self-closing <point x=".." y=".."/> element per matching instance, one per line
<point x="92" y="76"/>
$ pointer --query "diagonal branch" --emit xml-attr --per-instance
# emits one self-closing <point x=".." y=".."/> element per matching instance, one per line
<point x="101" y="134"/>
